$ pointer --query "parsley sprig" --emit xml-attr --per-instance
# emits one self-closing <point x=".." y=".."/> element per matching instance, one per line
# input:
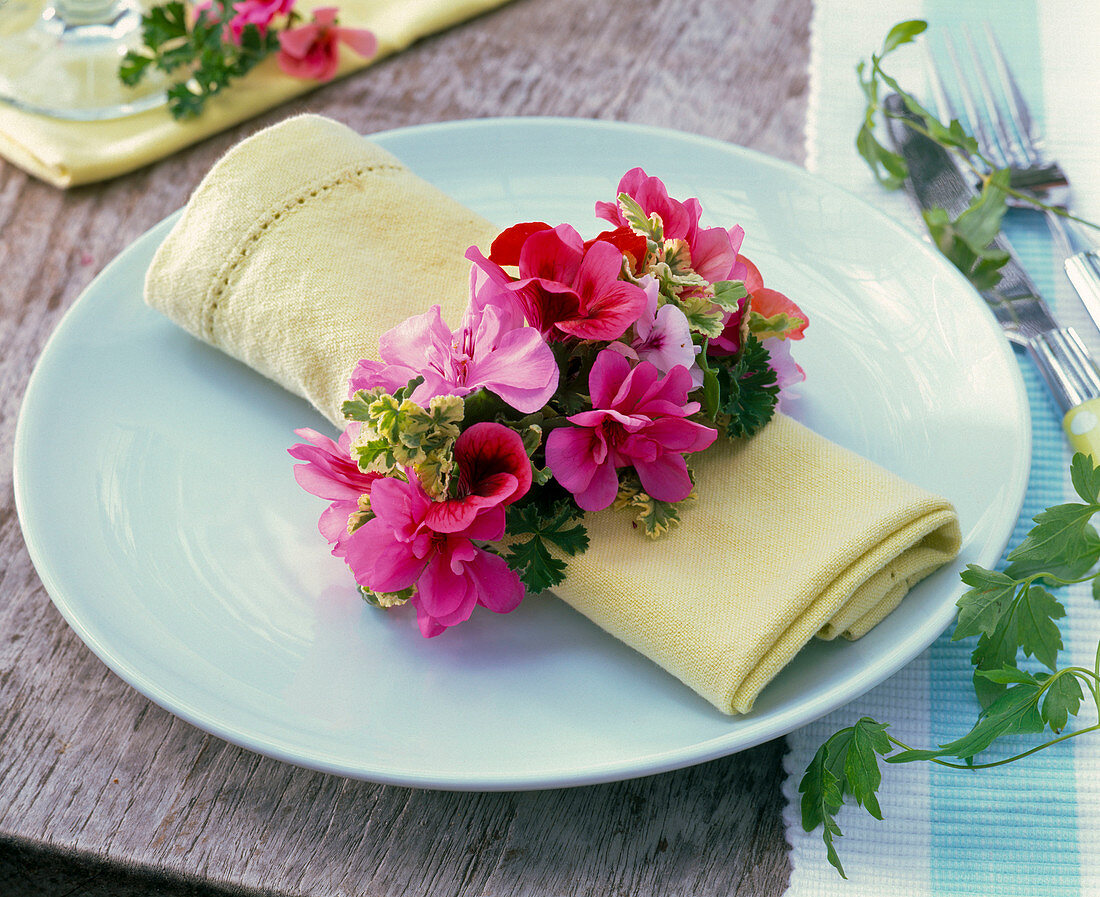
<point x="964" y="240"/>
<point x="538" y="527"/>
<point x="197" y="51"/>
<point x="1014" y="616"/>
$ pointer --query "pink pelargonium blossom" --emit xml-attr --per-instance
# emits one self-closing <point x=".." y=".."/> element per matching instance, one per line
<point x="638" y="419"/>
<point x="565" y="287"/>
<point x="713" y="250"/>
<point x="260" y="13"/>
<point x="493" y="469"/>
<point x="330" y="473"/>
<point x="312" y="50"/>
<point x="491" y="349"/>
<point x="663" y="337"/>
<point x="398" y="548"/>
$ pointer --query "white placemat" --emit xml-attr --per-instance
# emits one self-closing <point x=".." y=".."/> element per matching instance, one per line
<point x="1029" y="828"/>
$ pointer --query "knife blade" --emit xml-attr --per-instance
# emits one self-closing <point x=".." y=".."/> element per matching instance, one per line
<point x="1065" y="364"/>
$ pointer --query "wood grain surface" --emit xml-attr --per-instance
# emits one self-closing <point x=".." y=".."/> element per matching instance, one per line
<point x="102" y="792"/>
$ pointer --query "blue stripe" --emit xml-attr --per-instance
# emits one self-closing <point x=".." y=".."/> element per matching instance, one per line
<point x="1010" y="830"/>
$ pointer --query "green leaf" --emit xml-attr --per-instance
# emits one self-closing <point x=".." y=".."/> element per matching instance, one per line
<point x="821" y="799"/>
<point x="965" y="241"/>
<point x="861" y="768"/>
<point x="1016" y="711"/>
<point x="1059" y="531"/>
<point x="1007" y="676"/>
<point x="1061" y="700"/>
<point x="981" y="222"/>
<point x="748" y="388"/>
<point x="994" y="652"/>
<point x="903" y="33"/>
<point x="555" y="525"/>
<point x="888" y="167"/>
<point x="845" y="764"/>
<point x="1085" y="478"/>
<point x="1079" y="559"/>
<point x="133" y="67"/>
<point x="729" y="293"/>
<point x="985" y="604"/>
<point x="656" y="517"/>
<point x="1036" y="630"/>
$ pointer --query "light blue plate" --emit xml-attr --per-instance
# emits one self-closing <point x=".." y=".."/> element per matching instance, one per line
<point x="159" y="508"/>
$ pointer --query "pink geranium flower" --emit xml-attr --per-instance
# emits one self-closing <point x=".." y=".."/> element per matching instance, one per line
<point x="663" y="336"/>
<point x="565" y="288"/>
<point x="491" y="349"/>
<point x="312" y="50"/>
<point x="398" y="548"/>
<point x="257" y="12"/>
<point x="330" y="473"/>
<point x="713" y="250"/>
<point x="638" y="420"/>
<point x="493" y="469"/>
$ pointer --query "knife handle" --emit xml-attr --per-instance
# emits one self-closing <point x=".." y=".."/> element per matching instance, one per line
<point x="1071" y="374"/>
<point x="1082" y="426"/>
<point x="1083" y="270"/>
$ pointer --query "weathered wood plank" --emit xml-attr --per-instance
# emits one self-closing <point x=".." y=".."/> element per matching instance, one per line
<point x="102" y="792"/>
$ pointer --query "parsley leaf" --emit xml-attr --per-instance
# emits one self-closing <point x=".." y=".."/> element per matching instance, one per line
<point x="846" y="764"/>
<point x="210" y="61"/>
<point x="556" y="525"/>
<point x="747" y="388"/>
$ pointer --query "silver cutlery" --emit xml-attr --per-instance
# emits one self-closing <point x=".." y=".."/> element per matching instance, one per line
<point x="1000" y="120"/>
<point x="1065" y="363"/>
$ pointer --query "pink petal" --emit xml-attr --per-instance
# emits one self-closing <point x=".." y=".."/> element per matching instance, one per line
<point x="609" y="314"/>
<point x="606" y="377"/>
<point x="678" y="435"/>
<point x="429" y="626"/>
<point x="665" y="478"/>
<point x="488" y="526"/>
<point x="451" y="516"/>
<point x="297" y="41"/>
<point x="333" y="524"/>
<point x="401" y="505"/>
<point x="324" y="485"/>
<point x="498" y="586"/>
<point x="521" y="370"/>
<point x="641" y="382"/>
<point x="448" y="596"/>
<point x="410" y="342"/>
<point x="552" y="255"/>
<point x="488" y="448"/>
<point x="712" y="254"/>
<point x="360" y="40"/>
<point x="601" y="490"/>
<point x="570" y="455"/>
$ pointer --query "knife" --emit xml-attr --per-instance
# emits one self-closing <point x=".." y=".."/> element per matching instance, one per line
<point x="1062" y="359"/>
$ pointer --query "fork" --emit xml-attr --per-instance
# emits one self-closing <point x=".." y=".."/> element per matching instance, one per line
<point x="1001" y="122"/>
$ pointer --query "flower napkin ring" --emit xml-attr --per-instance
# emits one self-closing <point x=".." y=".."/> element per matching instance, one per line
<point x="581" y="376"/>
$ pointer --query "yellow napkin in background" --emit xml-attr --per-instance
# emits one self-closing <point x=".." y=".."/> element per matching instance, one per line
<point x="306" y="243"/>
<point x="68" y="153"/>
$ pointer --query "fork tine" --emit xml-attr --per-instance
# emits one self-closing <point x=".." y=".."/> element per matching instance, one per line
<point x="944" y="109"/>
<point x="1018" y="109"/>
<point x="1009" y="149"/>
<point x="976" y="121"/>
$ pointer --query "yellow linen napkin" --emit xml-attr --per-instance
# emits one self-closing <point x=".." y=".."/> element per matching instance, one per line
<point x="68" y="153"/>
<point x="306" y="243"/>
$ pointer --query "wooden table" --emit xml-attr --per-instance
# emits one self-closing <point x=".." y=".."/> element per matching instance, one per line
<point x="102" y="792"/>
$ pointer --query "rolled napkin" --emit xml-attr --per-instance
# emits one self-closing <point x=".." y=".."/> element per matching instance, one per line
<point x="68" y="153"/>
<point x="284" y="258"/>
